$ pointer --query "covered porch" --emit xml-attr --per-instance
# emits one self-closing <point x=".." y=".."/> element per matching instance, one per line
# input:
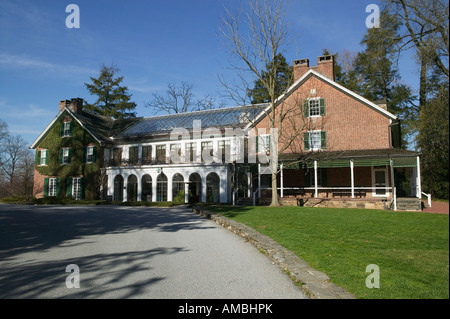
<point x="357" y="178"/>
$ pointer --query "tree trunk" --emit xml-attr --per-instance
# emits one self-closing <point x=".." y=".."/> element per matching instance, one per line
<point x="274" y="202"/>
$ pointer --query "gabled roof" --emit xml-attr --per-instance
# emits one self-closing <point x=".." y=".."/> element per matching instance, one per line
<point x="332" y="83"/>
<point x="101" y="128"/>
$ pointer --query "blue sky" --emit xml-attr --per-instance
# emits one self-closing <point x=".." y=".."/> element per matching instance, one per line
<point x="151" y="42"/>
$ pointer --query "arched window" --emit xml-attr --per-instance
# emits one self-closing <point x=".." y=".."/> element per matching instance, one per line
<point x="212" y="188"/>
<point x="118" y="188"/>
<point x="161" y="188"/>
<point x="132" y="188"/>
<point x="195" y="188"/>
<point x="178" y="186"/>
<point x="146" y="188"/>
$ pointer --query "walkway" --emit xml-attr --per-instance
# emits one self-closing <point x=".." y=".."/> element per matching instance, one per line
<point x="437" y="208"/>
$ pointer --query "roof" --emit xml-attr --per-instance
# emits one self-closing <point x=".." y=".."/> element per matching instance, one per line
<point x="336" y="85"/>
<point x="101" y="128"/>
<point x="229" y="117"/>
<point x="401" y="157"/>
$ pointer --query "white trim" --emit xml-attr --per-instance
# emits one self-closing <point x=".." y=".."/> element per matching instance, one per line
<point x="300" y="81"/>
<point x="386" y="182"/>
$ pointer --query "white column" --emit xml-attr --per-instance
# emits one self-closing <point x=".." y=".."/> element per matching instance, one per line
<point x="186" y="192"/>
<point x="259" y="180"/>
<point x="352" y="176"/>
<point x="249" y="184"/>
<point x="391" y="164"/>
<point x="316" y="190"/>
<point x="419" y="183"/>
<point x="281" y="180"/>
<point x="154" y="184"/>
<point x="169" y="188"/>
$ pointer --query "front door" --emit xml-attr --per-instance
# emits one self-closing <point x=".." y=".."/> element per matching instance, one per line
<point x="379" y="179"/>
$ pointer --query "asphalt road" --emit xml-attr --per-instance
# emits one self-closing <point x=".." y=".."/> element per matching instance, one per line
<point x="130" y="252"/>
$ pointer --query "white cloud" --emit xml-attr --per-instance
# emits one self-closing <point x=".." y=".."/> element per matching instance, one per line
<point x="15" y="61"/>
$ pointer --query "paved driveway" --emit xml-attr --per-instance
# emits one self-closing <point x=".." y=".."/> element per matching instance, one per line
<point x="129" y="252"/>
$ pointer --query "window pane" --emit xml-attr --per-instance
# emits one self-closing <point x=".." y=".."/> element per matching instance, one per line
<point x="314" y="107"/>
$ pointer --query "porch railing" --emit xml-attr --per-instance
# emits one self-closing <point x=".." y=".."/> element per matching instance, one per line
<point x="428" y="198"/>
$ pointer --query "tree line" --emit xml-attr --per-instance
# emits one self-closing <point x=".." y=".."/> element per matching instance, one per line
<point x="16" y="165"/>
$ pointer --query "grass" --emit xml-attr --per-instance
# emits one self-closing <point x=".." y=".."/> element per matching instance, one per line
<point x="410" y="249"/>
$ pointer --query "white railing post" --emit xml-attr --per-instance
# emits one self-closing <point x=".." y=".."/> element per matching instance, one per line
<point x="352" y="178"/>
<point x="316" y="191"/>
<point x="395" y="198"/>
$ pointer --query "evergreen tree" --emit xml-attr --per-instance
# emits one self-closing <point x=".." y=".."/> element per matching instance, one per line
<point x="284" y="79"/>
<point x="378" y="73"/>
<point x="113" y="98"/>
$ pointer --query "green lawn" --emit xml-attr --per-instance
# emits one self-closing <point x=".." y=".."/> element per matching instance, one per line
<point x="410" y="249"/>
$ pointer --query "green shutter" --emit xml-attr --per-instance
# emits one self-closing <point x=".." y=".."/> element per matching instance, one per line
<point x="94" y="155"/>
<point x="39" y="157"/>
<point x="69" y="187"/>
<point x="70" y="128"/>
<point x="323" y="140"/>
<point x="257" y="144"/>
<point x="70" y="153"/>
<point x="82" y="187"/>
<point x="322" y="107"/>
<point x="58" y="186"/>
<point x="305" y="108"/>
<point x="60" y="160"/>
<point x="306" y="141"/>
<point x="46" y="187"/>
<point x="46" y="157"/>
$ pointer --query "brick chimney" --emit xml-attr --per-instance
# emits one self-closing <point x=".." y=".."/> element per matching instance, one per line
<point x="63" y="103"/>
<point x="300" y="68"/>
<point x="325" y="65"/>
<point x="75" y="105"/>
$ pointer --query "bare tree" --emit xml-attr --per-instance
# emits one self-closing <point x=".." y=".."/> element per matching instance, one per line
<point x="256" y="48"/>
<point x="13" y="150"/>
<point x="426" y="22"/>
<point x="180" y="99"/>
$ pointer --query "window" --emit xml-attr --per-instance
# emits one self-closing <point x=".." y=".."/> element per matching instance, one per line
<point x="66" y="129"/>
<point x="133" y="155"/>
<point x="75" y="188"/>
<point x="314" y="107"/>
<point x="90" y="154"/>
<point x="314" y="140"/>
<point x="64" y="155"/>
<point x="175" y="153"/>
<point x="146" y="154"/>
<point x="225" y="150"/>
<point x="207" y="152"/>
<point x="42" y="157"/>
<point x="191" y="152"/>
<point x="161" y="153"/>
<point x="52" y="187"/>
<point x="263" y="143"/>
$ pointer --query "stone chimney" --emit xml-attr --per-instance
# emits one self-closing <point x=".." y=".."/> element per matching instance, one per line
<point x="325" y="65"/>
<point x="300" y="68"/>
<point x="75" y="105"/>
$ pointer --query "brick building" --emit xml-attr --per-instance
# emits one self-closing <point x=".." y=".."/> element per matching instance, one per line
<point x="335" y="148"/>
